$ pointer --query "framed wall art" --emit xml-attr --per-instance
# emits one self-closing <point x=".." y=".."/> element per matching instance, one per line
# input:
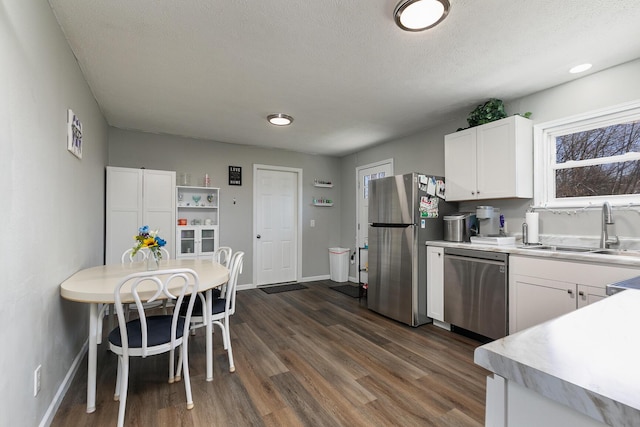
<point x="235" y="175"/>
<point x="74" y="134"/>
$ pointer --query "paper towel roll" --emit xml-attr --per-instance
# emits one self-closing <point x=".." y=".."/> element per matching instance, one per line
<point x="532" y="227"/>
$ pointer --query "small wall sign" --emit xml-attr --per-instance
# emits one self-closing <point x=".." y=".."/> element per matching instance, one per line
<point x="74" y="134"/>
<point x="235" y="175"/>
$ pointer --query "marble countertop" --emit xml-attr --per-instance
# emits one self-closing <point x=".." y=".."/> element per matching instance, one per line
<point x="586" y="360"/>
<point x="518" y="249"/>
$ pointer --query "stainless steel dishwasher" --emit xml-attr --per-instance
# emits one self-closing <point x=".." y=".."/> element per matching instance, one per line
<point x="475" y="291"/>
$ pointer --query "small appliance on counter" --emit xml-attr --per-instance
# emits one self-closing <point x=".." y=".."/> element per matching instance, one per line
<point x="459" y="227"/>
<point x="488" y="221"/>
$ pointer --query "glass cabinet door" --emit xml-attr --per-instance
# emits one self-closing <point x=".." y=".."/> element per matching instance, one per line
<point x="187" y="241"/>
<point x="207" y="241"/>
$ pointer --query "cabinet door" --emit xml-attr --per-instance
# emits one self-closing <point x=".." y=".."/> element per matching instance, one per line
<point x="435" y="283"/>
<point x="159" y="207"/>
<point x="208" y="237"/>
<point x="187" y="239"/>
<point x="123" y="211"/>
<point x="496" y="159"/>
<point x="590" y="294"/>
<point x="534" y="301"/>
<point x="460" y="165"/>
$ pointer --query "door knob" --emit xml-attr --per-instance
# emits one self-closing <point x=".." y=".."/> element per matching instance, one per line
<point x="258" y="236"/>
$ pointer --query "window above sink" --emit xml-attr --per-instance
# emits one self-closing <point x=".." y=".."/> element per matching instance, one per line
<point x="584" y="160"/>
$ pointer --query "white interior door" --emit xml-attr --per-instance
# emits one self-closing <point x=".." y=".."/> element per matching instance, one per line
<point x="365" y="174"/>
<point x="276" y="224"/>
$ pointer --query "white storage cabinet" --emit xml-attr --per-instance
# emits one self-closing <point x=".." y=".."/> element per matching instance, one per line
<point x="490" y="161"/>
<point x="199" y="207"/>
<point x="137" y="197"/>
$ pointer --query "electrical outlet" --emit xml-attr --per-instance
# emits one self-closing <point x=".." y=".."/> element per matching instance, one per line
<point x="312" y="223"/>
<point x="36" y="380"/>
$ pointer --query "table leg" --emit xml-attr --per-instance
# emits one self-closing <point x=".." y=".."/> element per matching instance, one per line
<point x="209" y="333"/>
<point x="92" y="357"/>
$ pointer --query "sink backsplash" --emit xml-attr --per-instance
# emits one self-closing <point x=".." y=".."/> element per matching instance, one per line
<point x="569" y="227"/>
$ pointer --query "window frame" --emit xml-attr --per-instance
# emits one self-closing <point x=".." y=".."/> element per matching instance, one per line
<point x="545" y="155"/>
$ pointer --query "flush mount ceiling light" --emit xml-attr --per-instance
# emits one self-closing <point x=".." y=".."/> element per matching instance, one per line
<point x="279" y="119"/>
<point x="418" y="15"/>
<point x="580" y="68"/>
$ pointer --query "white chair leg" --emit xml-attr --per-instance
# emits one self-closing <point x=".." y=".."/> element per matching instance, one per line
<point x="187" y="380"/>
<point x="232" y="367"/>
<point x="124" y="383"/>
<point x="225" y="343"/>
<point x="171" y="366"/>
<point x="179" y="370"/>
<point x="116" y="394"/>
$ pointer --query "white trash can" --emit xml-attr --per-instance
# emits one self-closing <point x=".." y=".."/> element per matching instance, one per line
<point x="339" y="264"/>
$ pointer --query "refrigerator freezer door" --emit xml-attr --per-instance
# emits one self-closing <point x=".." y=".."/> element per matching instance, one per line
<point x="393" y="200"/>
<point x="391" y="272"/>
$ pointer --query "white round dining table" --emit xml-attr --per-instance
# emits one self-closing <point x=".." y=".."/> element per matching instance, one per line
<point x="95" y="286"/>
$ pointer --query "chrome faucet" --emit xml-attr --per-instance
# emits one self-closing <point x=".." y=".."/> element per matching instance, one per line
<point x="607" y="219"/>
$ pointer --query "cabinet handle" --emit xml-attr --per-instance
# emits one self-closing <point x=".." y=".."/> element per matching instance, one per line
<point x="581" y="293"/>
<point x="439" y="254"/>
<point x="258" y="236"/>
<point x="570" y="291"/>
<point x="473" y="193"/>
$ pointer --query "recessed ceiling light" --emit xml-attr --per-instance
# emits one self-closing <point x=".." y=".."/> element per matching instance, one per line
<point x="580" y="68"/>
<point x="279" y="119"/>
<point x="418" y="15"/>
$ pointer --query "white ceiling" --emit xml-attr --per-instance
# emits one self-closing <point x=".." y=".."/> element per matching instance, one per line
<point x="350" y="77"/>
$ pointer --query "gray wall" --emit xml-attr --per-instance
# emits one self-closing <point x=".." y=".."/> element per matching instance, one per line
<point x="425" y="152"/>
<point x="52" y="206"/>
<point x="197" y="157"/>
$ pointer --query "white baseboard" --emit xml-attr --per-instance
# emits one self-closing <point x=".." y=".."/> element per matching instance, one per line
<point x="314" y="278"/>
<point x="47" y="419"/>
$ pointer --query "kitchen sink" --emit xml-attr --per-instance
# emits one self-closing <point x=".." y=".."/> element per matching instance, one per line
<point x="595" y="251"/>
<point x="616" y="252"/>
<point x="556" y="248"/>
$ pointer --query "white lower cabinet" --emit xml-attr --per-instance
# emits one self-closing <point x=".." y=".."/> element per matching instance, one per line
<point x="535" y="300"/>
<point x="542" y="289"/>
<point x="197" y="241"/>
<point x="435" y="283"/>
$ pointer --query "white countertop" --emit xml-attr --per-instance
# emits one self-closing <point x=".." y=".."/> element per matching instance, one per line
<point x="587" y="360"/>
<point x="517" y="249"/>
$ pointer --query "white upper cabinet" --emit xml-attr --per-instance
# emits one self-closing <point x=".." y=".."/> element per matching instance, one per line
<point x="491" y="161"/>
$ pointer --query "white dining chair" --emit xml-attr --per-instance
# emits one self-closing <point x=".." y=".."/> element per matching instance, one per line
<point x="143" y="255"/>
<point x="152" y="335"/>
<point x="222" y="308"/>
<point x="222" y="256"/>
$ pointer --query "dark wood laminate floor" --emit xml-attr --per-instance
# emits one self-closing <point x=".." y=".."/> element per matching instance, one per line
<point x="311" y="357"/>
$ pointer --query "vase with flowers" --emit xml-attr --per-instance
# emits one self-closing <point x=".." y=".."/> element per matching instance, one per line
<point x="150" y="240"/>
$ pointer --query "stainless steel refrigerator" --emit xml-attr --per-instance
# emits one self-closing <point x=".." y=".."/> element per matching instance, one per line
<point x="401" y="220"/>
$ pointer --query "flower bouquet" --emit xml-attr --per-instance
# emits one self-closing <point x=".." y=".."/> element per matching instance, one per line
<point x="149" y="239"/>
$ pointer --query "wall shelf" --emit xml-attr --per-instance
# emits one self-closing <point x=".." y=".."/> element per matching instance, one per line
<point x="322" y="204"/>
<point x="322" y="183"/>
